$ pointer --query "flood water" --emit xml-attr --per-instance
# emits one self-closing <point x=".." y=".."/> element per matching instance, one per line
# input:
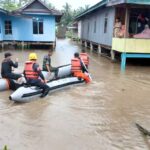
<point x="98" y="116"/>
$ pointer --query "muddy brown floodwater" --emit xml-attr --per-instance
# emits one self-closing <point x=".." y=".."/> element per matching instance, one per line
<point x="98" y="116"/>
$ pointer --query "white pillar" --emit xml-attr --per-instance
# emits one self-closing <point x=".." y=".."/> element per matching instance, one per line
<point x="54" y="45"/>
<point x="85" y="44"/>
<point x="2" y="45"/>
<point x="112" y="55"/>
<point x="99" y="49"/>
<point x="22" y="44"/>
<point x="91" y="46"/>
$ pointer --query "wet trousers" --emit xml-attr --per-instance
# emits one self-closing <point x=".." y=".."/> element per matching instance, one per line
<point x="83" y="76"/>
<point x="38" y="83"/>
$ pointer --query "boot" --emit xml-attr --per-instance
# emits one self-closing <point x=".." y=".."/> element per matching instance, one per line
<point x="45" y="92"/>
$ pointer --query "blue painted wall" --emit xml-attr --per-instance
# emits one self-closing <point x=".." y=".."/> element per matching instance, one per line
<point x="22" y="28"/>
<point x="99" y="36"/>
<point x="1" y="27"/>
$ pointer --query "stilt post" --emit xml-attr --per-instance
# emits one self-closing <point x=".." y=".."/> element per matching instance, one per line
<point x="123" y="62"/>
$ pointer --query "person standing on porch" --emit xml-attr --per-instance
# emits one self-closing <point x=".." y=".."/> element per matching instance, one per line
<point x="117" y="27"/>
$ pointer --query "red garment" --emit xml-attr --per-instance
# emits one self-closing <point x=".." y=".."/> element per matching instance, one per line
<point x="145" y="34"/>
<point x="29" y="72"/>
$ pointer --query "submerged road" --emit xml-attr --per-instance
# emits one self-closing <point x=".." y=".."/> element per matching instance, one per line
<point x="98" y="116"/>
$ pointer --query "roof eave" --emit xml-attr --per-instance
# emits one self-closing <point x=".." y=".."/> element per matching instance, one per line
<point x="91" y="9"/>
<point x="51" y="11"/>
<point x="3" y="11"/>
<point x="129" y="2"/>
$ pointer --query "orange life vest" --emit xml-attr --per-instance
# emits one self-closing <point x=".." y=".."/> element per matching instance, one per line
<point x="85" y="58"/>
<point x="75" y="65"/>
<point x="29" y="72"/>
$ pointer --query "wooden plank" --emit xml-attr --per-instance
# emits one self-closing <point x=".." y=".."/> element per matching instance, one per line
<point x="131" y="45"/>
<point x="126" y="22"/>
<point x="137" y="55"/>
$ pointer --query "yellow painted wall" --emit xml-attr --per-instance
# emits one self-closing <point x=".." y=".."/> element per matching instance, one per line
<point x="131" y="45"/>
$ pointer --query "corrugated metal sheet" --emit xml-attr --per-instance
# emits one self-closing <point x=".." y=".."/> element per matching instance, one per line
<point x="117" y="2"/>
<point x="142" y="2"/>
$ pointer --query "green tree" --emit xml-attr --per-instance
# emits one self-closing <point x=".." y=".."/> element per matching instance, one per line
<point x="67" y="14"/>
<point x="14" y="4"/>
<point x="8" y="4"/>
<point x="23" y="2"/>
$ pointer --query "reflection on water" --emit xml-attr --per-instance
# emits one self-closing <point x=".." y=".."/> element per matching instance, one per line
<point x="98" y="116"/>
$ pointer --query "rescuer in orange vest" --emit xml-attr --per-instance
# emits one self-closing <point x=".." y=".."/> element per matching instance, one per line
<point x="32" y="73"/>
<point x="85" y="58"/>
<point x="78" y="69"/>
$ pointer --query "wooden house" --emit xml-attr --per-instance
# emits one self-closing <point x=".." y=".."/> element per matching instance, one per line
<point x="2" y="13"/>
<point x="98" y="27"/>
<point x="34" y="24"/>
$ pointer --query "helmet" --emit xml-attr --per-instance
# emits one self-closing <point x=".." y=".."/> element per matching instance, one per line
<point x="32" y="56"/>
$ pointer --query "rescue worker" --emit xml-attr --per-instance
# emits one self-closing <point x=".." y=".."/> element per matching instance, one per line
<point x="34" y="75"/>
<point x="78" y="69"/>
<point x="6" y="71"/>
<point x="47" y="64"/>
<point x="85" y="58"/>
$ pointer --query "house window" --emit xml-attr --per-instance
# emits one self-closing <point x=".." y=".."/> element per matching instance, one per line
<point x="105" y="23"/>
<point x="88" y="29"/>
<point x="8" y="27"/>
<point x="95" y="26"/>
<point x="38" y="26"/>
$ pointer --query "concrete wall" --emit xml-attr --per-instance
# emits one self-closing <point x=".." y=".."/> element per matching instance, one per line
<point x="99" y="36"/>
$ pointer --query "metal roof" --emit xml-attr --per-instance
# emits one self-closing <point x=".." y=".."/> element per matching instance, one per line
<point x="141" y="2"/>
<point x="91" y="9"/>
<point x="47" y="9"/>
<point x="3" y="11"/>
<point x="138" y="2"/>
<point x="111" y="3"/>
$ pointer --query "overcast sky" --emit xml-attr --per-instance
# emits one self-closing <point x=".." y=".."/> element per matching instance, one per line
<point x="74" y="3"/>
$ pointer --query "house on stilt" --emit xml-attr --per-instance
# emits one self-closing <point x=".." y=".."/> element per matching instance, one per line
<point x="33" y="24"/>
<point x="98" y="28"/>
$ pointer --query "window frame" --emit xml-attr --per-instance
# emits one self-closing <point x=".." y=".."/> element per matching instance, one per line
<point x="88" y="28"/>
<point x="95" y="26"/>
<point x="8" y="27"/>
<point x="36" y="24"/>
<point x="106" y="23"/>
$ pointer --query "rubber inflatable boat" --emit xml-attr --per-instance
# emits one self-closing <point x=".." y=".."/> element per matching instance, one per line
<point x="27" y="94"/>
<point x="63" y="71"/>
<point x="4" y="84"/>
